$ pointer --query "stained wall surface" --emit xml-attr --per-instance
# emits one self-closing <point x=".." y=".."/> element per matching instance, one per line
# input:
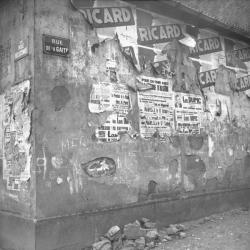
<point x="17" y="184"/>
<point x="101" y="140"/>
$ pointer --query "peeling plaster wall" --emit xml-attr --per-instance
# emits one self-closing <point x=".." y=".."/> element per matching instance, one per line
<point x="77" y="172"/>
<point x="16" y="71"/>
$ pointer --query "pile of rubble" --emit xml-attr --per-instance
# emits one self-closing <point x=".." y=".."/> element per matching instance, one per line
<point x="138" y="235"/>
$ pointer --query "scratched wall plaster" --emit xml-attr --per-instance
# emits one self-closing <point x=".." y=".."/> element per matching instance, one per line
<point x="75" y="166"/>
<point x="16" y="133"/>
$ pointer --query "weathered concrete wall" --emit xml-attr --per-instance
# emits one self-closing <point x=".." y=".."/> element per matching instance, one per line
<point x="138" y="169"/>
<point x="16" y="69"/>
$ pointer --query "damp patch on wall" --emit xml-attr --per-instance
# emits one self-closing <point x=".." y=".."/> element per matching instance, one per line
<point x="99" y="167"/>
<point x="16" y="131"/>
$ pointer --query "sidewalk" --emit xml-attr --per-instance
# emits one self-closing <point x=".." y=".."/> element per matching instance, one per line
<point x="226" y="231"/>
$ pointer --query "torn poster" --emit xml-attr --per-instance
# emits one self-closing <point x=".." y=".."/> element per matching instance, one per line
<point x="188" y="108"/>
<point x="219" y="106"/>
<point x="106" y="96"/>
<point x="112" y="97"/>
<point x="243" y="83"/>
<point x="207" y="78"/>
<point x="163" y="68"/>
<point x="156" y="107"/>
<point x="1" y="126"/>
<point x="16" y="132"/>
<point x="111" y="130"/>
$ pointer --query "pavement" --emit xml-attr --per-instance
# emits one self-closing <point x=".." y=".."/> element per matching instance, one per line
<point x="224" y="231"/>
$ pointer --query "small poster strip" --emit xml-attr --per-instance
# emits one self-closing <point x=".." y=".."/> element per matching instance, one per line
<point x="206" y="46"/>
<point x="207" y="78"/>
<point x="188" y="108"/>
<point x="108" y="16"/>
<point x="163" y="68"/>
<point x="159" y="33"/>
<point x="243" y="83"/>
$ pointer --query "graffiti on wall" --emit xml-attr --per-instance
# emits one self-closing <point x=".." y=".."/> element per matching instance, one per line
<point x="99" y="167"/>
<point x="16" y="132"/>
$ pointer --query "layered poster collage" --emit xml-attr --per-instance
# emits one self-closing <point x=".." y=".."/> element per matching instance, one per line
<point x="15" y="131"/>
<point x="167" y="112"/>
<point x="113" y="98"/>
<point x="161" y="111"/>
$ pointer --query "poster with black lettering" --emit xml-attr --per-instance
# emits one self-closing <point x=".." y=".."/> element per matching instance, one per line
<point x="207" y="78"/>
<point x="16" y="131"/>
<point x="107" y="96"/>
<point x="187" y="122"/>
<point x="206" y="46"/>
<point x="159" y="33"/>
<point x="115" y="125"/>
<point x="188" y="108"/>
<point x="243" y="83"/>
<point x="156" y="108"/>
<point x="111" y="97"/>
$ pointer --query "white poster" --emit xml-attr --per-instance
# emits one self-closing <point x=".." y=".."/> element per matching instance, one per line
<point x="188" y="108"/>
<point x="156" y="107"/>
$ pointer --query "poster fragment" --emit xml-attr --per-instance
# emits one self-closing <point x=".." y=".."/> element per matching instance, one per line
<point x="188" y="108"/>
<point x="243" y="83"/>
<point x="114" y="97"/>
<point x="1" y="126"/>
<point x="156" y="107"/>
<point x="16" y="132"/>
<point x="208" y="78"/>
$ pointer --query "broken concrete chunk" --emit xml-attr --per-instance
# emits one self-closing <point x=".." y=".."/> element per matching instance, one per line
<point x="181" y="227"/>
<point x="183" y="235"/>
<point x="144" y="220"/>
<point x="152" y="235"/>
<point x="102" y="245"/>
<point x="140" y="243"/>
<point x="128" y="248"/>
<point x="113" y="233"/>
<point x="150" y="244"/>
<point x="117" y="244"/>
<point x="132" y="231"/>
<point x="172" y="229"/>
<point x="129" y="243"/>
<point x="149" y="224"/>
